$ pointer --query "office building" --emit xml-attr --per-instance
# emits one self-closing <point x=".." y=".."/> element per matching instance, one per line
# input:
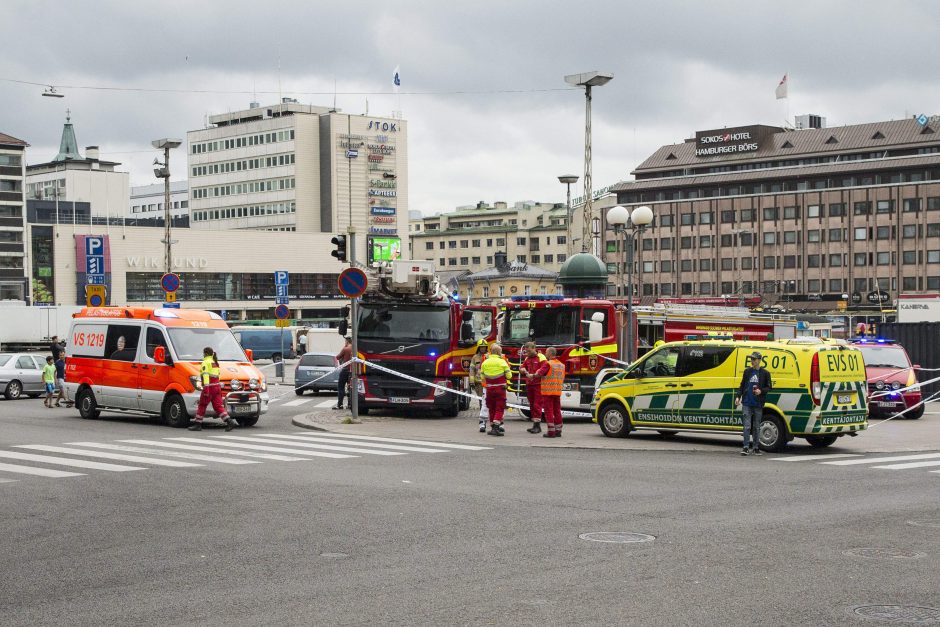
<point x="146" y="201"/>
<point x="13" y="258"/>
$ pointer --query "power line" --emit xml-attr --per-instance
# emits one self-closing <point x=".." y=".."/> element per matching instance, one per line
<point x="458" y="92"/>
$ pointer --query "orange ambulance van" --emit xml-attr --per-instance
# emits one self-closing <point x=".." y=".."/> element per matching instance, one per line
<point x="145" y="360"/>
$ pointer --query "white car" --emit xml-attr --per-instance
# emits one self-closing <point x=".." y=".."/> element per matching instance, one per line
<point x="21" y="373"/>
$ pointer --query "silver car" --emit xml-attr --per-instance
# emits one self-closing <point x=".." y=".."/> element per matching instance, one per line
<point x="21" y="373"/>
<point x="313" y="366"/>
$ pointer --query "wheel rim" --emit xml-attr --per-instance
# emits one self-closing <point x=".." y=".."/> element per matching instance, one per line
<point x="86" y="404"/>
<point x="15" y="390"/>
<point x="769" y="433"/>
<point x="173" y="412"/>
<point x="613" y="420"/>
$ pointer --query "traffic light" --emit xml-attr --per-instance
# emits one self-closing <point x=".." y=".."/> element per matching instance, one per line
<point x="340" y="242"/>
<point x="344" y="321"/>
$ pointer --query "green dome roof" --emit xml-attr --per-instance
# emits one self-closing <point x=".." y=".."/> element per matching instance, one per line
<point x="583" y="269"/>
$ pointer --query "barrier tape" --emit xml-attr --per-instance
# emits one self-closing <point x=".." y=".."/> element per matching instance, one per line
<point x="923" y="401"/>
<point x="312" y="381"/>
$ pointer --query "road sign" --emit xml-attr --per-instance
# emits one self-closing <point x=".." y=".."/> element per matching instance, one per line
<point x="94" y="264"/>
<point x="171" y="297"/>
<point x="282" y="324"/>
<point x="170" y="282"/>
<point x="280" y="291"/>
<point x="94" y="246"/>
<point x="352" y="282"/>
<point x="94" y="279"/>
<point x="352" y="154"/>
<point x="281" y="277"/>
<point x="281" y="300"/>
<point x="281" y="312"/>
<point x="95" y="295"/>
<point x="171" y="305"/>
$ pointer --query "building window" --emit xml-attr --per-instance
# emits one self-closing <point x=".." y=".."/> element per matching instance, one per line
<point x="861" y="259"/>
<point x="686" y="289"/>
<point x="685" y="265"/>
<point x="665" y="243"/>
<point x="812" y="261"/>
<point x="452" y="261"/>
<point x="727" y="263"/>
<point x="561" y="258"/>
<point x="464" y="261"/>
<point x="475" y="243"/>
<point x="486" y="291"/>
<point x="933" y="283"/>
<point x="812" y="285"/>
<point x="427" y="246"/>
<point x="911" y="205"/>
<point x="862" y="208"/>
<point x="790" y="237"/>
<point x="883" y="259"/>
<point x="747" y="263"/>
<point x="770" y="262"/>
<point x="502" y="291"/>
<point x="727" y="239"/>
<point x="835" y="285"/>
<point x="933" y="256"/>
<point x="812" y="211"/>
<point x="706" y="217"/>
<point x="648" y="243"/>
<point x="687" y="219"/>
<point x="909" y="283"/>
<point x="704" y="288"/>
<point x="452" y="243"/>
<point x="648" y="266"/>
<point x="883" y="232"/>
<point x="666" y="289"/>
<point x="705" y="241"/>
<point x="464" y="243"/>
<point x="861" y="233"/>
<point x="727" y="216"/>
<point x="909" y="257"/>
<point x="705" y="265"/>
<point x="770" y="239"/>
<point x="475" y="261"/>
<point x="771" y="213"/>
<point x="489" y="260"/>
<point x="665" y="265"/>
<point x="746" y="239"/>
<point x="685" y="242"/>
<point x="501" y="241"/>
<point x="549" y="258"/>
<point x="562" y="239"/>
<point x="933" y="203"/>
<point x="909" y="231"/>
<point x="611" y="268"/>
<point x="520" y="258"/>
<point x="835" y="260"/>
<point x="835" y="235"/>
<point x="836" y="209"/>
<point x="933" y="230"/>
<point x="489" y="242"/>
<point x="885" y="206"/>
<point x="812" y="235"/>
<point x="747" y="215"/>
<point x="666" y="219"/>
<point x="520" y="241"/>
<point x="526" y="290"/>
<point x="791" y="213"/>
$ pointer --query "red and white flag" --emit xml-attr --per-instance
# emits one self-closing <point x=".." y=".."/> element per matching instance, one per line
<point x="781" y="91"/>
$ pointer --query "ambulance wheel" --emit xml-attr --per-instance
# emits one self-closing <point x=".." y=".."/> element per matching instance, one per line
<point x="13" y="391"/>
<point x="917" y="413"/>
<point x="174" y="411"/>
<point x="247" y="421"/>
<point x="87" y="405"/>
<point x="772" y="434"/>
<point x="614" y="421"/>
<point x="821" y="441"/>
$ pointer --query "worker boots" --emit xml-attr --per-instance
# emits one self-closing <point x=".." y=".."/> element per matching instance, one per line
<point x="496" y="429"/>
<point x="535" y="428"/>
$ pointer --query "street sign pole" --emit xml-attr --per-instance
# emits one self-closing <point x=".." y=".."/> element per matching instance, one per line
<point x="354" y="315"/>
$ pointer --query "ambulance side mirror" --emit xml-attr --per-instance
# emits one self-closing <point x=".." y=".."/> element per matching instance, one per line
<point x="250" y="354"/>
<point x="160" y="356"/>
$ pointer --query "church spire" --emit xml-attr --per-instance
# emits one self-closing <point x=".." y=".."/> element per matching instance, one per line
<point x="68" y="147"/>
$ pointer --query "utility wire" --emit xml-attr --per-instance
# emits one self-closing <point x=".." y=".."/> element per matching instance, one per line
<point x="459" y="92"/>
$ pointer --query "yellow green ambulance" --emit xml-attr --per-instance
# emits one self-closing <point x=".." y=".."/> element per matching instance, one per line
<point x="819" y="391"/>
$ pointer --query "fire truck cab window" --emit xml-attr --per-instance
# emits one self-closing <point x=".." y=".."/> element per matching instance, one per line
<point x="404" y="322"/>
<point x="546" y="327"/>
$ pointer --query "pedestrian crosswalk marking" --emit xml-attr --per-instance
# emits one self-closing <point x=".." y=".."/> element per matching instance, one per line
<point x="104" y="455"/>
<point x="151" y="451"/>
<point x="299" y="401"/>
<point x="272" y="449"/>
<point x="325" y="404"/>
<point x="7" y="480"/>
<point x="64" y="461"/>
<point x="878" y="460"/>
<point x="466" y="447"/>
<point x="813" y="458"/>
<point x="305" y="445"/>
<point x="910" y="465"/>
<point x="39" y="472"/>
<point x="212" y="449"/>
<point x="329" y="440"/>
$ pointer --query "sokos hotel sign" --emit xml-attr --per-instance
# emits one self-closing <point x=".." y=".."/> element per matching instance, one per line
<point x="726" y="141"/>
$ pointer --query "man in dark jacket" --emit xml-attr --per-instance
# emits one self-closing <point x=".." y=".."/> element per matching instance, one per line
<point x="752" y="393"/>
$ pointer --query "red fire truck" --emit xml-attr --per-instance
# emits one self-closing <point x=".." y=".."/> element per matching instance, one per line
<point x="408" y="324"/>
<point x="586" y="332"/>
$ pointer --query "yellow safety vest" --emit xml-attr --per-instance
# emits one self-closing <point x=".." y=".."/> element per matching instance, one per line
<point x="494" y="368"/>
<point x="210" y="373"/>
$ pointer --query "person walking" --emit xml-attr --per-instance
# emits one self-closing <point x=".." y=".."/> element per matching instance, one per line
<point x="752" y="394"/>
<point x="475" y="380"/>
<point x="48" y="378"/>
<point x="54" y="347"/>
<point x="533" y="368"/>
<point x="211" y="391"/>
<point x="60" y="381"/>
<point x="344" y="355"/>
<point x="552" y="384"/>
<point x="496" y="375"/>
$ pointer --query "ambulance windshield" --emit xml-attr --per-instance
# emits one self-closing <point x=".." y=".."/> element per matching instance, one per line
<point x="190" y="342"/>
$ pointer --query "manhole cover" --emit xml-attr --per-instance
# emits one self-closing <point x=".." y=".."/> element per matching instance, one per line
<point x="933" y="523"/>
<point x="884" y="554"/>
<point x="618" y="537"/>
<point x="334" y="555"/>
<point x="900" y="614"/>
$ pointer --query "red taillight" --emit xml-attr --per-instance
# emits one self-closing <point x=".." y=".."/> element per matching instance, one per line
<point x="815" y="384"/>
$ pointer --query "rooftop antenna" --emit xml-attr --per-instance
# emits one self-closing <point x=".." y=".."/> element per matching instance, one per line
<point x="334" y="94"/>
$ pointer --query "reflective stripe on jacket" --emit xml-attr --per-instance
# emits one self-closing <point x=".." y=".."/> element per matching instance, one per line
<point x="552" y="382"/>
<point x="495" y="371"/>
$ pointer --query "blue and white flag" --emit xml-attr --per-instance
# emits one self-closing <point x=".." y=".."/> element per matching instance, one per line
<point x="396" y="78"/>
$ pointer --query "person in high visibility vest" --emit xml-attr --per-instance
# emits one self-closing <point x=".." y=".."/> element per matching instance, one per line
<point x="475" y="379"/>
<point x="209" y="373"/>
<point x="552" y="384"/>
<point x="496" y="376"/>
<point x="533" y="369"/>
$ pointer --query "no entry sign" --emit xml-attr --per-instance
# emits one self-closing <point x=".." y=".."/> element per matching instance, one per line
<point x="352" y="282"/>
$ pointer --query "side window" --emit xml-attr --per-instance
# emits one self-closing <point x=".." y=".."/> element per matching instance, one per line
<point x="587" y="314"/>
<point x="40" y="362"/>
<point x="25" y="363"/>
<point x="121" y="342"/>
<point x="697" y="359"/>
<point x="155" y="338"/>
<point x="662" y="363"/>
<point x="482" y="322"/>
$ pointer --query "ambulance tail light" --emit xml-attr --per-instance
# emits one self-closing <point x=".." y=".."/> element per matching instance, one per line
<point x="815" y="383"/>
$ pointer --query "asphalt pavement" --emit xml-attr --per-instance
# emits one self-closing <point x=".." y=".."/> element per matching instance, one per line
<point x="453" y="527"/>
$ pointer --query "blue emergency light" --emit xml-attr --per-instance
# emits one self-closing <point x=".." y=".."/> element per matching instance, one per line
<point x="539" y="297"/>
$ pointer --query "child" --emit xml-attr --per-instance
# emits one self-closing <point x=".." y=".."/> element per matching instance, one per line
<point x="60" y="381"/>
<point x="48" y="377"/>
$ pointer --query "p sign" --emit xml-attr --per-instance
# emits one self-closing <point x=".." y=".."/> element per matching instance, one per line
<point x="281" y="277"/>
<point x="94" y="246"/>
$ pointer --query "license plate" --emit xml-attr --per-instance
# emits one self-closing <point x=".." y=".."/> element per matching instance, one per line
<point x="885" y="404"/>
<point x="243" y="409"/>
<point x="844" y="399"/>
<point x="399" y="400"/>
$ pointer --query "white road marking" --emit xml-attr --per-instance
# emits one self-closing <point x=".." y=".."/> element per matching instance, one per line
<point x="465" y="447"/>
<point x="911" y="465"/>
<point x="877" y="460"/>
<point x="325" y="447"/>
<point x="273" y="449"/>
<point x="212" y="449"/>
<point x="328" y="440"/>
<point x="299" y="401"/>
<point x="63" y="461"/>
<point x="39" y="472"/>
<point x="325" y="404"/>
<point x="151" y="451"/>
<point x="103" y="455"/>
<point x="8" y="480"/>
<point x="812" y="458"/>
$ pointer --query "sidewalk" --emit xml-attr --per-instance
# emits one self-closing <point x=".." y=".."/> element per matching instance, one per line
<point x="893" y="436"/>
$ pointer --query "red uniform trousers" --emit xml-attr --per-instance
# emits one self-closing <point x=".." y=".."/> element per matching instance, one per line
<point x="496" y="403"/>
<point x="534" y="394"/>
<point x="552" y="407"/>
<point x="211" y="393"/>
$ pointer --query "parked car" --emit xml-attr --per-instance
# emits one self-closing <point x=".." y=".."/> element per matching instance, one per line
<point x="21" y="373"/>
<point x="312" y="366"/>
<point x="889" y="369"/>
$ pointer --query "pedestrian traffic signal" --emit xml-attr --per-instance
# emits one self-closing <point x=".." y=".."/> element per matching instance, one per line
<point x="340" y="242"/>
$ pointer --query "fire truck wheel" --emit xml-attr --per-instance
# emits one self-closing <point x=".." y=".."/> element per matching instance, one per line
<point x="174" y="411"/>
<point x="87" y="405"/>
<point x="614" y="421"/>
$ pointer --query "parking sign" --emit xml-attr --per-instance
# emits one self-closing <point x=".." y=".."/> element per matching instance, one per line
<point x="281" y="277"/>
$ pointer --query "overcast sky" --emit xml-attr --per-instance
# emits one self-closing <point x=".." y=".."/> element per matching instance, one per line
<point x="678" y="67"/>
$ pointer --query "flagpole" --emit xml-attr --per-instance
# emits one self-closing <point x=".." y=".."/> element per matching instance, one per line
<point x="788" y="98"/>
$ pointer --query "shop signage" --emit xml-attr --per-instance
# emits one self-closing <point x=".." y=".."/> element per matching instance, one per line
<point x="382" y="211"/>
<point x="387" y="193"/>
<point x="382" y="149"/>
<point x="385" y="127"/>
<point x="856" y="298"/>
<point x="157" y="262"/>
<point x="726" y="141"/>
<point x="376" y="167"/>
<point x="383" y="183"/>
<point x="382" y="230"/>
<point x="878" y="297"/>
<point x="374" y="157"/>
<point x="383" y="219"/>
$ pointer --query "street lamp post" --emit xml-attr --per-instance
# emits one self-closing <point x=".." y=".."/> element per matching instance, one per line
<point x="587" y="80"/>
<point x="568" y="180"/>
<point x="626" y="225"/>
<point x="163" y="172"/>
